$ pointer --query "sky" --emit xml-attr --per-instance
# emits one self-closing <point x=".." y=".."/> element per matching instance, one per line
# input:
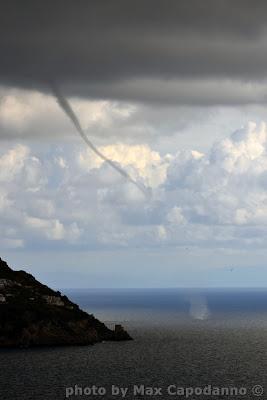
<point x="174" y="93"/>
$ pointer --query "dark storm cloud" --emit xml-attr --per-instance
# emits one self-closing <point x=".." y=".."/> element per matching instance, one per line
<point x="115" y="49"/>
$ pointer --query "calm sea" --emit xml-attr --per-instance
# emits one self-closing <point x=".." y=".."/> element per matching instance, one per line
<point x="184" y="340"/>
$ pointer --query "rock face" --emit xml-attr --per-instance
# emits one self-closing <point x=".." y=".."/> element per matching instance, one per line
<point x="32" y="314"/>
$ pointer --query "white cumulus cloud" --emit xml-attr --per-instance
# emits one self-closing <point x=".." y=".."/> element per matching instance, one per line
<point x="216" y="198"/>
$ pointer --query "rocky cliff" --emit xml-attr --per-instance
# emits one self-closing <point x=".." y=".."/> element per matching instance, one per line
<point x="32" y="314"/>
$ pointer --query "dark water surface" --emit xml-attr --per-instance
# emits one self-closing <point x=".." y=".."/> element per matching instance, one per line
<point x="182" y="339"/>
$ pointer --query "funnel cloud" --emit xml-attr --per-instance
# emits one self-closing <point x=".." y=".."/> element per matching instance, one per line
<point x="64" y="104"/>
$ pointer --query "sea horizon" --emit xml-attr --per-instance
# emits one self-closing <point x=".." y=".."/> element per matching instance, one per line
<point x="187" y="338"/>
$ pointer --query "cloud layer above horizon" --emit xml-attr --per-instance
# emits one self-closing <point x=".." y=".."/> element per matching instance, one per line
<point x="68" y="198"/>
<point x="159" y="87"/>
